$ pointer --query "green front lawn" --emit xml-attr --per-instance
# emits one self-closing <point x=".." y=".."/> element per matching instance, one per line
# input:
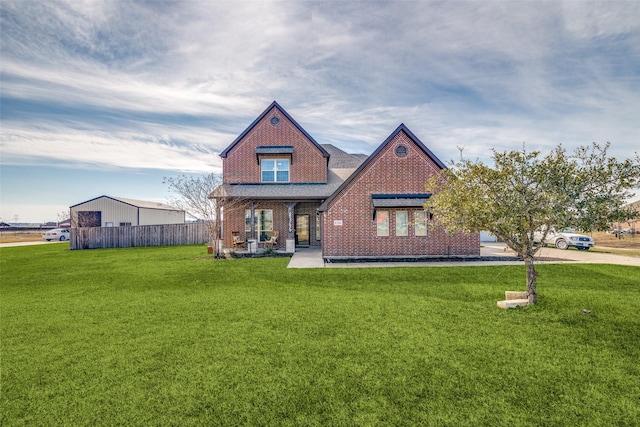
<point x="156" y="336"/>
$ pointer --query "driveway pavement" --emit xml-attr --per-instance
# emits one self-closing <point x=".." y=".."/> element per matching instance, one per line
<point x="312" y="258"/>
<point x="570" y="255"/>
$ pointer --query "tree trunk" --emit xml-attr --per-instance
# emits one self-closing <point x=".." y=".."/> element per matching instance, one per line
<point x="532" y="274"/>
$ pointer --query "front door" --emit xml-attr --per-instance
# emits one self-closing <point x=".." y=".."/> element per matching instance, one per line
<point x="302" y="230"/>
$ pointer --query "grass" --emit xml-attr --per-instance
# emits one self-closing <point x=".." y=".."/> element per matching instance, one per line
<point x="153" y="336"/>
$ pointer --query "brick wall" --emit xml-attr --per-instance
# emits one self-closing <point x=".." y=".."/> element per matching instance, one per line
<point x="388" y="173"/>
<point x="308" y="164"/>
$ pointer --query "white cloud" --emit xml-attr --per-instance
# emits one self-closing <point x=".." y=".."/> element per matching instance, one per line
<point x="109" y="150"/>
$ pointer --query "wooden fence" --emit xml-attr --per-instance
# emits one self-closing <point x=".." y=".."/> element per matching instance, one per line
<point x="143" y="235"/>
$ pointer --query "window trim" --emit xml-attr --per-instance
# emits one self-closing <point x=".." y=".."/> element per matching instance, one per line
<point x="263" y="233"/>
<point x="423" y="222"/>
<point x="382" y="218"/>
<point x="275" y="169"/>
<point x="404" y="231"/>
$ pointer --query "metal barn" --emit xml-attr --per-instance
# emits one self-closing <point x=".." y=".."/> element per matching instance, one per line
<point x="107" y="211"/>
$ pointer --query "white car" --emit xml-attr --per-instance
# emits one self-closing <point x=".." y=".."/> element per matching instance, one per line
<point x="564" y="239"/>
<point x="61" y="234"/>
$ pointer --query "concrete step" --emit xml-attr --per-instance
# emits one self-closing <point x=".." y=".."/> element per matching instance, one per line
<point x="513" y="303"/>
<point x="509" y="295"/>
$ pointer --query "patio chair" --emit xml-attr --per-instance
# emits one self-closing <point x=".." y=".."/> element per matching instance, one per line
<point x="273" y="241"/>
<point x="238" y="241"/>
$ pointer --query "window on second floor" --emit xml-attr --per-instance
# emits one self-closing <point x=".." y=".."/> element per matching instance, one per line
<point x="274" y="170"/>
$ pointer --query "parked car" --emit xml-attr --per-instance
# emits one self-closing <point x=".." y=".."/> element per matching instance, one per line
<point x="61" y="234"/>
<point x="565" y="239"/>
<point x="621" y="230"/>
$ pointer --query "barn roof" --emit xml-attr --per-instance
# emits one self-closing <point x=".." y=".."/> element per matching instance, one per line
<point x="145" y="204"/>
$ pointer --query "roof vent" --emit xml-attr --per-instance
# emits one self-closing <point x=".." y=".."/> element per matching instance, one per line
<point x="401" y="151"/>
<point x="274" y="121"/>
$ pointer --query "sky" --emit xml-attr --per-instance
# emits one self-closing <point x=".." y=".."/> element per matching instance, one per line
<point x="109" y="97"/>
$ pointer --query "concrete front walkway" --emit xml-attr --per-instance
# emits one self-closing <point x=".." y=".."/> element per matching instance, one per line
<point x="312" y="258"/>
<point x="306" y="258"/>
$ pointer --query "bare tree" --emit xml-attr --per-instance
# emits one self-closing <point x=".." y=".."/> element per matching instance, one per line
<point x="64" y="216"/>
<point x="194" y="195"/>
<point x="81" y="223"/>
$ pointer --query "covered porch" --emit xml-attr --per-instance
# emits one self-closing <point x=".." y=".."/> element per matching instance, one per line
<point x="277" y="225"/>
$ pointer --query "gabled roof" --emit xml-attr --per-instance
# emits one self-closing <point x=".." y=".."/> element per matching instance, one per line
<point x="135" y="203"/>
<point x="401" y="128"/>
<point x="225" y="152"/>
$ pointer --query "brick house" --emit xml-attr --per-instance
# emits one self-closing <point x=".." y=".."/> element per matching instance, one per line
<point x="316" y="195"/>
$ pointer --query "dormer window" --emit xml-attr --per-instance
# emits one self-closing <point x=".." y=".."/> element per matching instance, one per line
<point x="274" y="170"/>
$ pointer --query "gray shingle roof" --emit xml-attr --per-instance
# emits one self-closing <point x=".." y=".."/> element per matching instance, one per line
<point x="400" y="202"/>
<point x="342" y="160"/>
<point x="276" y="149"/>
<point x="341" y="166"/>
<point x="286" y="191"/>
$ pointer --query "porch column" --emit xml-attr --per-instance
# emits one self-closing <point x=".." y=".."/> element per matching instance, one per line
<point x="290" y="207"/>
<point x="291" y="241"/>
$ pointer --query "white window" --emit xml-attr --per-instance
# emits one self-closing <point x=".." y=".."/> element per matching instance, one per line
<point x="263" y="224"/>
<point x="420" y="220"/>
<point x="274" y="170"/>
<point x="402" y="223"/>
<point x="382" y="223"/>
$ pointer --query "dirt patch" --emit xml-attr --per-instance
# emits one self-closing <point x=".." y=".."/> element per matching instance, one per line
<point x="14" y="236"/>
<point x="625" y="241"/>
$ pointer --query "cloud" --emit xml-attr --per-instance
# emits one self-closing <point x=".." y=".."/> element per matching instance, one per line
<point x="81" y="80"/>
<point x="183" y="150"/>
